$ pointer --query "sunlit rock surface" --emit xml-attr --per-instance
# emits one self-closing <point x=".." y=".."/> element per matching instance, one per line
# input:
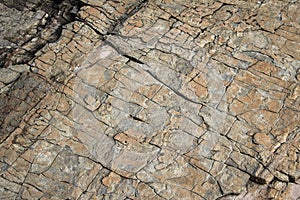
<point x="153" y="99"/>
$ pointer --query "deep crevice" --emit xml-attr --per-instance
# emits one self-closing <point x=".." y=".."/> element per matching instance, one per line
<point x="133" y="59"/>
<point x="257" y="180"/>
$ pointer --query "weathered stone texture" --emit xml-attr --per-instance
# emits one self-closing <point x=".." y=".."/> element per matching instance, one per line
<point x="153" y="99"/>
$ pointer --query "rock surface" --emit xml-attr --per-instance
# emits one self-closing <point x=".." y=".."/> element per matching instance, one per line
<point x="149" y="99"/>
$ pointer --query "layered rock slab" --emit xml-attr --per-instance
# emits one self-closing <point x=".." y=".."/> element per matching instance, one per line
<point x="157" y="100"/>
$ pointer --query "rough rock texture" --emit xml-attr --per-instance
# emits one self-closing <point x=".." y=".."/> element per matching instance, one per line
<point x="150" y="99"/>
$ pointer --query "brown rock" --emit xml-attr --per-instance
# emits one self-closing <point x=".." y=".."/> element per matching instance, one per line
<point x="149" y="100"/>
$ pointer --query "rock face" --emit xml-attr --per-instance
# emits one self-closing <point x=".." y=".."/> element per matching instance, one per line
<point x="152" y="99"/>
<point x="27" y="26"/>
